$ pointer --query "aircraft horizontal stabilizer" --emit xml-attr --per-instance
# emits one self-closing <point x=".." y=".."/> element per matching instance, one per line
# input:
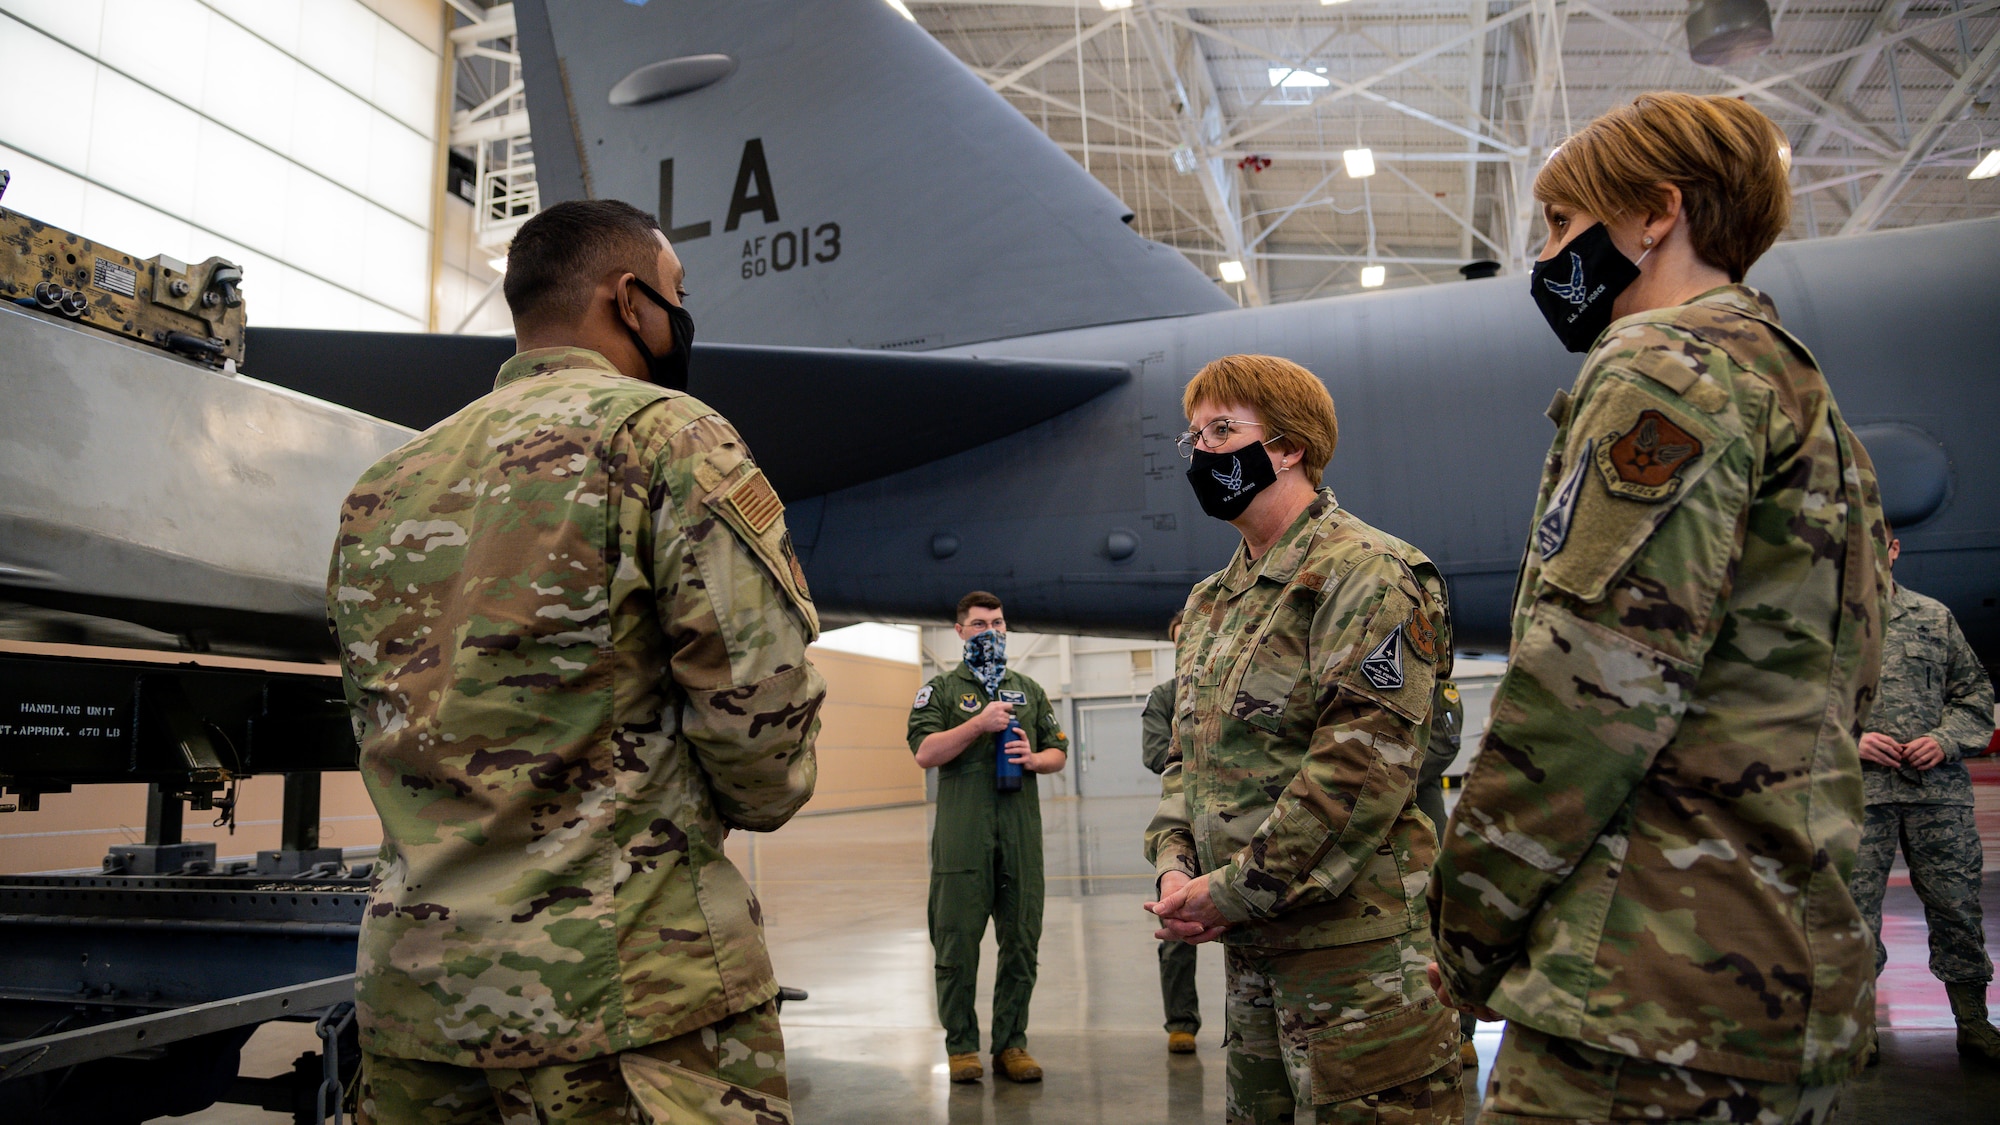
<point x="817" y="419"/>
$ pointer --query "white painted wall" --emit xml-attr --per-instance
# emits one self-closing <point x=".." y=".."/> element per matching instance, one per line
<point x="296" y="137"/>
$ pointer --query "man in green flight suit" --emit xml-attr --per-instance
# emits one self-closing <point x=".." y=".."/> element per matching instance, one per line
<point x="986" y="851"/>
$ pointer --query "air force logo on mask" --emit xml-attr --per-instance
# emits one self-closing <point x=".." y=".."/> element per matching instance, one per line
<point x="1234" y="481"/>
<point x="1574" y="289"/>
<point x="1384" y="666"/>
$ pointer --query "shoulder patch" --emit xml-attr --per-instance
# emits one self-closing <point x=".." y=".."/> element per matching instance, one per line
<point x="1553" y="530"/>
<point x="1423" y="637"/>
<point x="1644" y="463"/>
<point x="923" y="697"/>
<point x="1019" y="698"/>
<point x="1384" y="666"/>
<point x="1451" y="695"/>
<point x="755" y="501"/>
<point x="968" y="702"/>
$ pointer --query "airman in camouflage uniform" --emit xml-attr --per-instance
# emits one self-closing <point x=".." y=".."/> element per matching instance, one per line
<point x="1447" y="721"/>
<point x="1647" y="872"/>
<point x="574" y="640"/>
<point x="1303" y="687"/>
<point x="1936" y="706"/>
<point x="1177" y="958"/>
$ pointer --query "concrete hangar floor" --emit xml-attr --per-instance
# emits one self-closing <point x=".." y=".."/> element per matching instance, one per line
<point x="866" y="1047"/>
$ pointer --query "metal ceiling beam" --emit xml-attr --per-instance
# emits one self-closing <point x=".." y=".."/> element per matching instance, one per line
<point x="1390" y="71"/>
<point x="1014" y="76"/>
<point x="1827" y="114"/>
<point x="1317" y="155"/>
<point x="1545" y="40"/>
<point x="1216" y="186"/>
<point x="1944" y="116"/>
<point x="1071" y="107"/>
<point x="1344" y="87"/>
<point x="1424" y="194"/>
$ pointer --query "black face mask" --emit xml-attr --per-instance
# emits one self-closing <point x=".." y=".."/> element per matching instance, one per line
<point x="669" y="370"/>
<point x="1225" y="483"/>
<point x="1575" y="288"/>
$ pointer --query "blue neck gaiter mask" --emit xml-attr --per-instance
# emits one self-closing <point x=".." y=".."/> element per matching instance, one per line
<point x="986" y="655"/>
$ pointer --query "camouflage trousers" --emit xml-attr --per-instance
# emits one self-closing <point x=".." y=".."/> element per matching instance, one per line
<point x="1538" y="1079"/>
<point x="1941" y="844"/>
<point x="731" y="1072"/>
<point x="1177" y="994"/>
<point x="1348" y="1034"/>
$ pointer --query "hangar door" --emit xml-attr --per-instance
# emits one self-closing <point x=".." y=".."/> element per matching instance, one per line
<point x="1108" y="735"/>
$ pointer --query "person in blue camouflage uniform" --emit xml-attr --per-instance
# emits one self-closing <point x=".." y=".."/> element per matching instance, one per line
<point x="1646" y="874"/>
<point x="1177" y="958"/>
<point x="1936" y="707"/>
<point x="573" y="636"/>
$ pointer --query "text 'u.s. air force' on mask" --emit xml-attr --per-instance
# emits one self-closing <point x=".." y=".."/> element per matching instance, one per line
<point x="764" y="254"/>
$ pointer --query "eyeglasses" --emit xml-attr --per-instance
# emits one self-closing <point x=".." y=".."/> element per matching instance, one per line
<point x="1216" y="433"/>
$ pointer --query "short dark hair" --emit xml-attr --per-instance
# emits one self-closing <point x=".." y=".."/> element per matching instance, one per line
<point x="978" y="599"/>
<point x="558" y="256"/>
<point x="1174" y="622"/>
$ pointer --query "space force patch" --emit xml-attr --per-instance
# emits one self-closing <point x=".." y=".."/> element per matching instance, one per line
<point x="1018" y="698"/>
<point x="1384" y="666"/>
<point x="923" y="697"/>
<point x="1553" y="530"/>
<point x="1644" y="463"/>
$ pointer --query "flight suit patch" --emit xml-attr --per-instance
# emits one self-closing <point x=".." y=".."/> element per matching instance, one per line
<point x="755" y="501"/>
<point x="923" y="697"/>
<point x="1019" y="698"/>
<point x="968" y="702"/>
<point x="1644" y="463"/>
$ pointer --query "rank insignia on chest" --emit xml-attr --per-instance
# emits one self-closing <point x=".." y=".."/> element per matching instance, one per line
<point x="1645" y="462"/>
<point x="968" y="702"/>
<point x="923" y="697"/>
<point x="1553" y="530"/>
<point x="1384" y="666"/>
<point x="1019" y="698"/>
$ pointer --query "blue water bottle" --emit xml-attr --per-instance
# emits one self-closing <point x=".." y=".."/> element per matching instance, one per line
<point x="1007" y="771"/>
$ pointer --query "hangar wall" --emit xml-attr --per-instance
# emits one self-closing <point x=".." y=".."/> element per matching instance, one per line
<point x="296" y="137"/>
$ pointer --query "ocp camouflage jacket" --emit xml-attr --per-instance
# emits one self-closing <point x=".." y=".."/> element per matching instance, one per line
<point x="1932" y="684"/>
<point x="1652" y="852"/>
<point x="1303" y="688"/>
<point x="574" y="641"/>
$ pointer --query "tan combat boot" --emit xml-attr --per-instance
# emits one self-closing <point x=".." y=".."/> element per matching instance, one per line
<point x="1180" y="1042"/>
<point x="1977" y="1039"/>
<point x="1018" y="1065"/>
<point x="965" y="1067"/>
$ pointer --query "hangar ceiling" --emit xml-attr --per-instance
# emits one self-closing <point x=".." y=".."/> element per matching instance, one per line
<point x="1223" y="124"/>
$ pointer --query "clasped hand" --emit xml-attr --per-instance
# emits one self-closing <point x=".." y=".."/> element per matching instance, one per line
<point x="1185" y="911"/>
<point x="992" y="720"/>
<point x="1920" y="753"/>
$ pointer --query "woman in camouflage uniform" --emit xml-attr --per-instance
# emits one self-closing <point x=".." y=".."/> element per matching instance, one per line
<point x="1647" y="872"/>
<point x="1287" y="825"/>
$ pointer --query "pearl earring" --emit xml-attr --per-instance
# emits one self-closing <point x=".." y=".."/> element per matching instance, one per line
<point x="1649" y="241"/>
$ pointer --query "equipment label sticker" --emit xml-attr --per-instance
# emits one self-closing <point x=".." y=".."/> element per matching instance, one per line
<point x="112" y="277"/>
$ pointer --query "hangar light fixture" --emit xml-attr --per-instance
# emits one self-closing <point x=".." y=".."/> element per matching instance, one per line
<point x="1115" y="5"/>
<point x="1292" y="78"/>
<point x="904" y="9"/>
<point x="1372" y="277"/>
<point x="1330" y="3"/>
<point x="1986" y="169"/>
<point x="1232" y="272"/>
<point x="1360" y="162"/>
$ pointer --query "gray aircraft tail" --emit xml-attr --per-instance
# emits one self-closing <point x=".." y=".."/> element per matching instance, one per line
<point x="832" y="177"/>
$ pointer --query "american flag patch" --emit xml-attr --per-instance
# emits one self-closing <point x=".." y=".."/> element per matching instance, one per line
<point x="755" y="501"/>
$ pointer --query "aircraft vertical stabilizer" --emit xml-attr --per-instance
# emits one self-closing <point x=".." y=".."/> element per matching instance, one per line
<point x="833" y="177"/>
